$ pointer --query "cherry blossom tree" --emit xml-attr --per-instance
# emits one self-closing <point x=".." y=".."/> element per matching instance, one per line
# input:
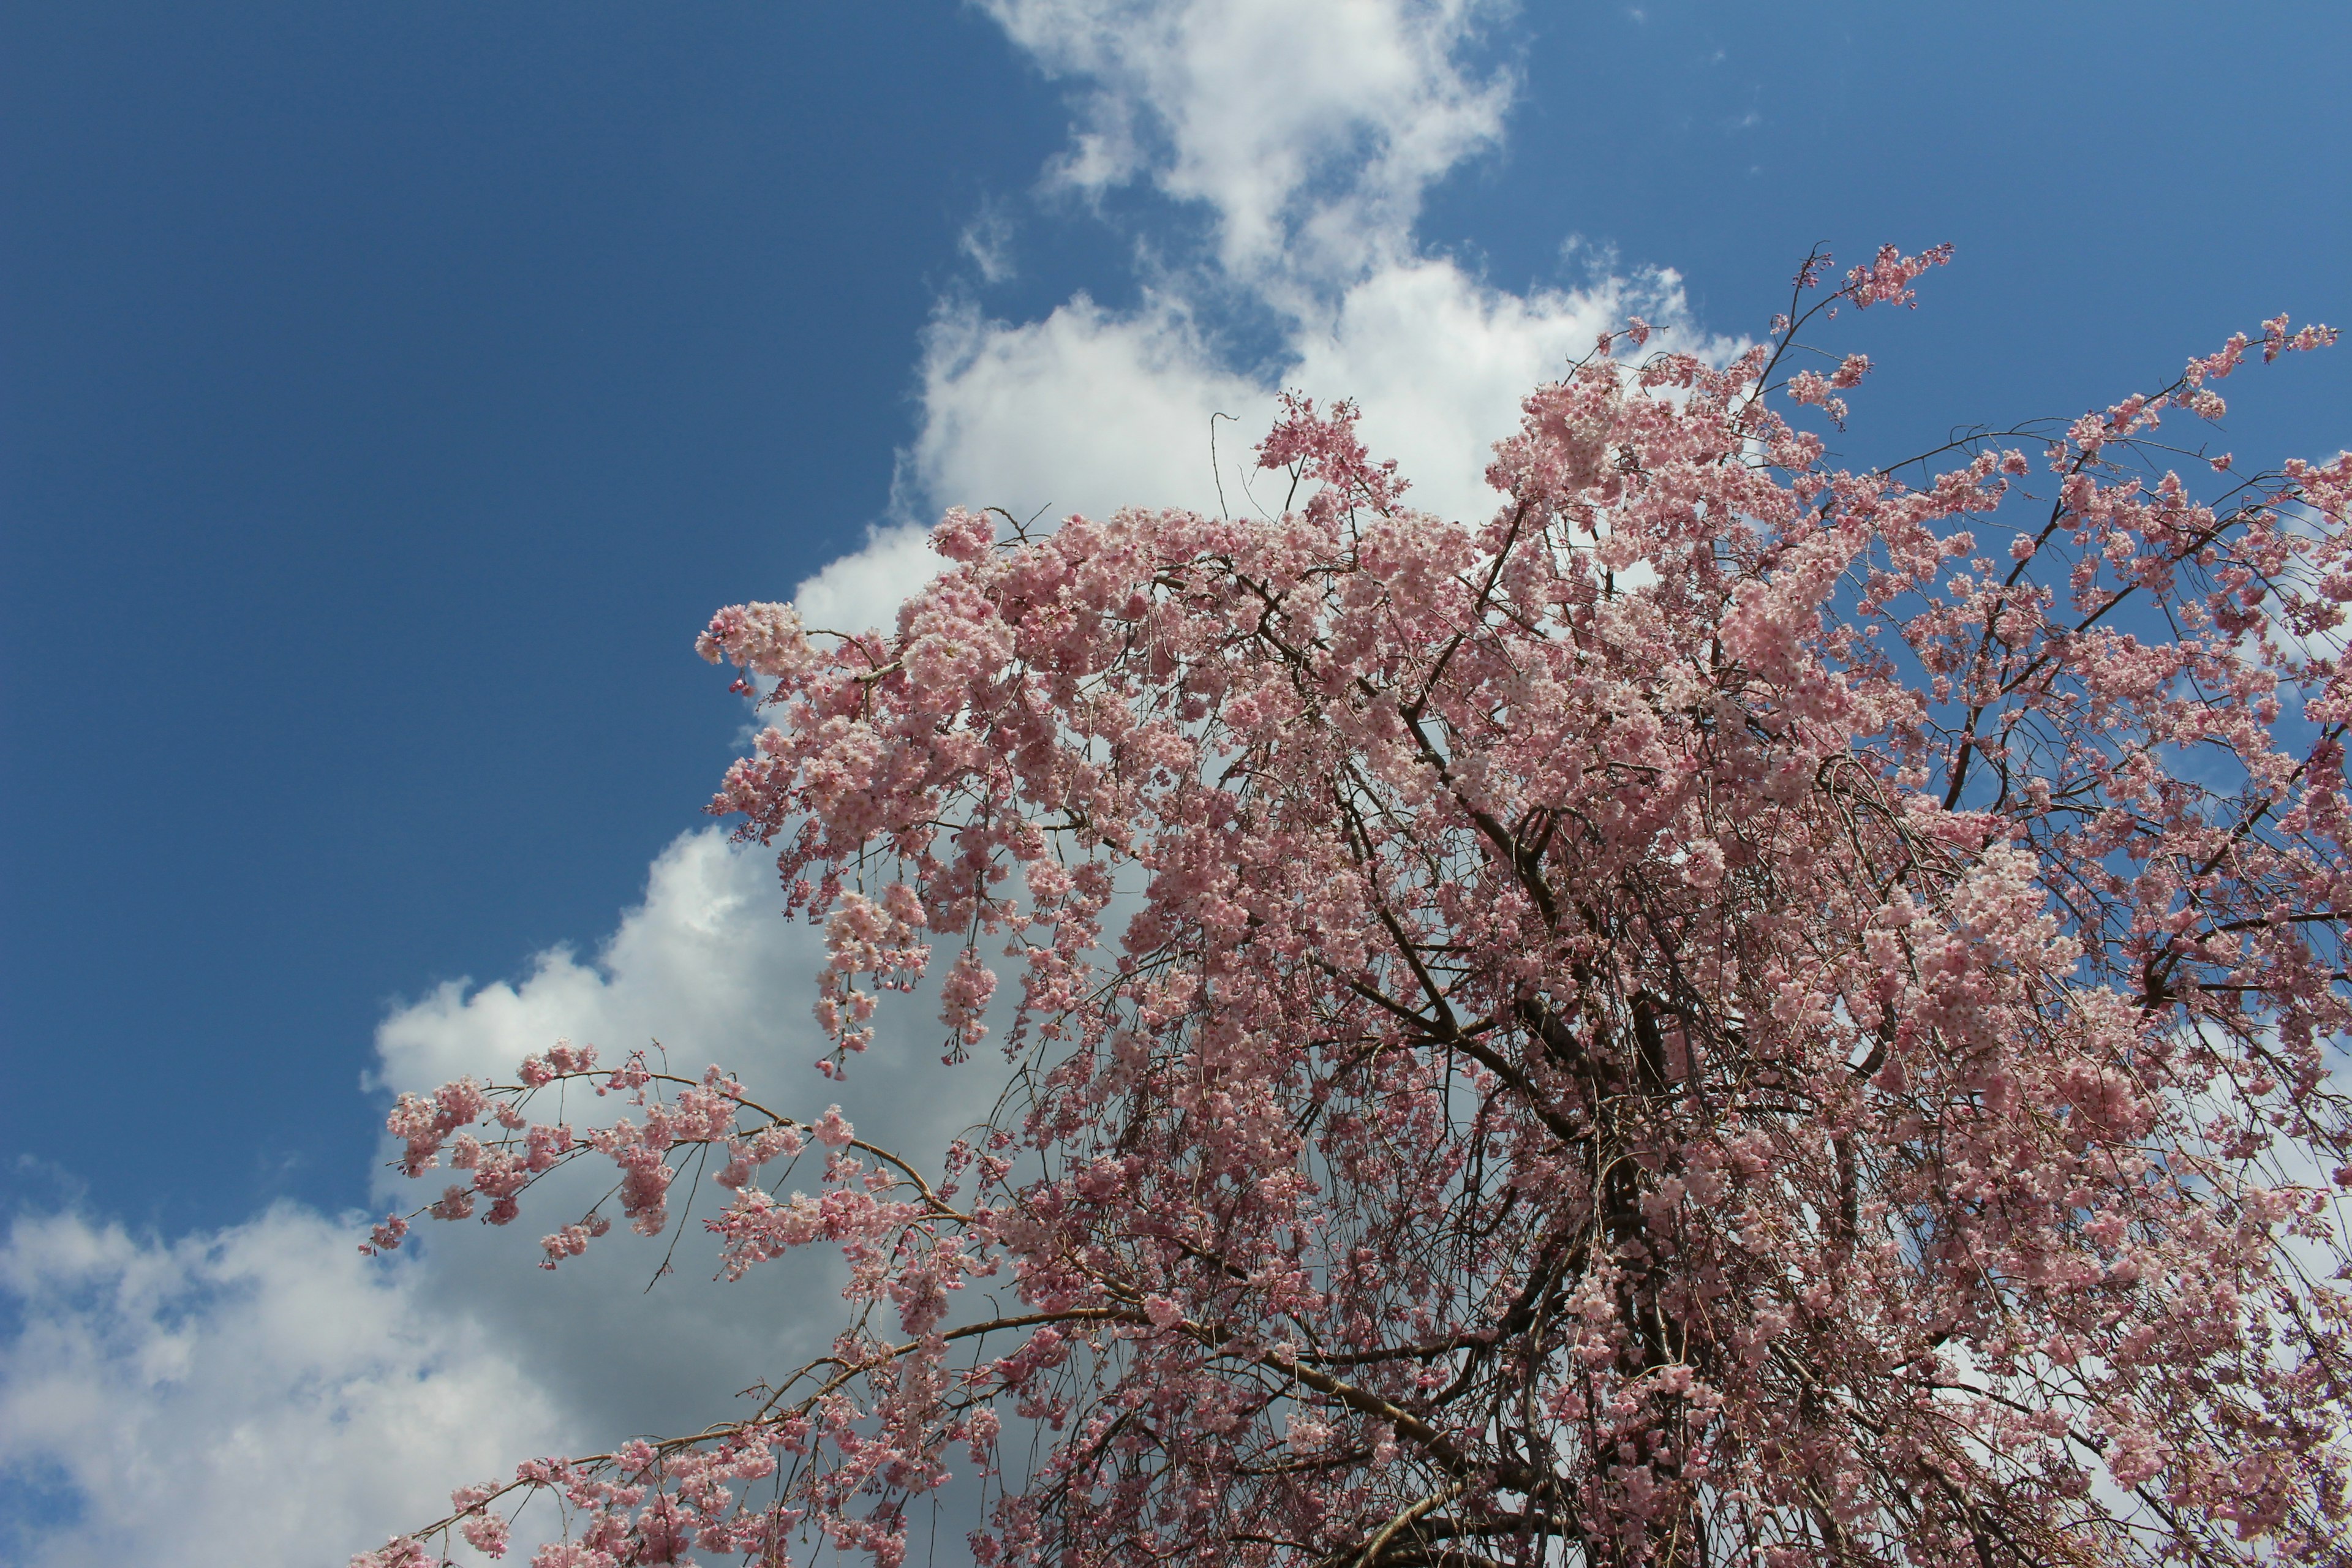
<point x="1740" y="1010"/>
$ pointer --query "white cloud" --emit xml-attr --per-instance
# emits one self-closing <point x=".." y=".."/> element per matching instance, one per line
<point x="1310" y="131"/>
<point x="700" y="964"/>
<point x="255" y="1395"/>
<point x="865" y="588"/>
<point x="1310" y="128"/>
<point x="1089" y="410"/>
<point x="1083" y="412"/>
<point x="708" y="966"/>
<point x="987" y="243"/>
<point x="1439" y="363"/>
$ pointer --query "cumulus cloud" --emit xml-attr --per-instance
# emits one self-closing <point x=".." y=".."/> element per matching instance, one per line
<point x="709" y="970"/>
<point x="1308" y="133"/>
<point x="264" y="1387"/>
<point x="707" y="967"/>
<point x="864" y="588"/>
<point x="1089" y="410"/>
<point x="1083" y="412"/>
<point x="259" y="1395"/>
<point x="698" y="966"/>
<point x="264" y="1395"/>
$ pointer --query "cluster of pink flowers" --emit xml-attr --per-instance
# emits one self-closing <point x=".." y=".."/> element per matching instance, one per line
<point x="642" y="1503"/>
<point x="1737" y="1008"/>
<point x="712" y="1114"/>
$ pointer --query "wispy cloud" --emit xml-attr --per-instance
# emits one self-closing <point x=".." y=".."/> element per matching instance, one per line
<point x="1309" y="131"/>
<point x="987" y="243"/>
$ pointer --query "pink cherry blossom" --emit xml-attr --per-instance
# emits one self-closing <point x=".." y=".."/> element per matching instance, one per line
<point x="1737" y="1009"/>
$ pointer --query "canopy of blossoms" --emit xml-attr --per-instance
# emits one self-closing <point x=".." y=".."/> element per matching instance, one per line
<point x="1736" y="1010"/>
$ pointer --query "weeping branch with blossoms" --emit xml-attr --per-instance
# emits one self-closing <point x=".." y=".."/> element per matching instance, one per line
<point x="1738" y="1011"/>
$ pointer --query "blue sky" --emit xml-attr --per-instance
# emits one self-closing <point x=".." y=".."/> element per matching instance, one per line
<point x="388" y="392"/>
